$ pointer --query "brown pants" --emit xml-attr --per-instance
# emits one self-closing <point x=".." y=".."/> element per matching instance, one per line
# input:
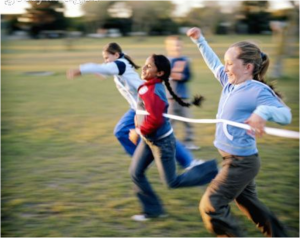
<point x="236" y="182"/>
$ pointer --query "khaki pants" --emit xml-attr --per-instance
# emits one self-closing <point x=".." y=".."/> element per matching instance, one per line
<point x="236" y="182"/>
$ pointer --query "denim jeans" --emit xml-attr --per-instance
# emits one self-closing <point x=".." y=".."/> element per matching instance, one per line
<point x="163" y="152"/>
<point x="183" y="156"/>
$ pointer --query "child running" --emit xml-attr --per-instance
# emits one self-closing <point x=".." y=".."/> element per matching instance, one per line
<point x="158" y="141"/>
<point x="245" y="98"/>
<point x="127" y="81"/>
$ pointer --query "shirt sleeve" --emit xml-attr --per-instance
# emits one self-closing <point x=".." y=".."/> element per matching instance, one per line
<point x="270" y="108"/>
<point x="186" y="72"/>
<point x="212" y="60"/>
<point x="280" y="115"/>
<point x="106" y="69"/>
<point x="181" y="70"/>
<point x="155" y="106"/>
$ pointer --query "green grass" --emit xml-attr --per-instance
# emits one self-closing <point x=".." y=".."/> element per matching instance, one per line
<point x="63" y="172"/>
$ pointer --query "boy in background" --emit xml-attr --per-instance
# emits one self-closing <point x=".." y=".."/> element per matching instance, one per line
<point x="180" y="75"/>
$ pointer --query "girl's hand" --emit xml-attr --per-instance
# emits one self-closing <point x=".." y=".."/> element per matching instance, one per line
<point x="135" y="121"/>
<point x="72" y="73"/>
<point x="133" y="136"/>
<point x="194" y="33"/>
<point x="257" y="124"/>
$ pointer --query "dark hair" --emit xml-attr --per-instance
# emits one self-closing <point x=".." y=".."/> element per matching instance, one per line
<point x="114" y="48"/>
<point x="250" y="53"/>
<point x="162" y="63"/>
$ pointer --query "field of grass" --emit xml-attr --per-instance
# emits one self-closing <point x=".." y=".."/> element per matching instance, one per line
<point x="65" y="175"/>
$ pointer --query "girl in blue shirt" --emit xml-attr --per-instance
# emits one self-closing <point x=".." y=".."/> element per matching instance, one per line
<point x="127" y="81"/>
<point x="245" y="98"/>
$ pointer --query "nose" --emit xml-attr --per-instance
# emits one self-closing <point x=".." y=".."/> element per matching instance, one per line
<point x="226" y="68"/>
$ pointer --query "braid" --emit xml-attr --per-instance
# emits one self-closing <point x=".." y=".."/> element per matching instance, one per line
<point x="163" y="64"/>
<point x="174" y="95"/>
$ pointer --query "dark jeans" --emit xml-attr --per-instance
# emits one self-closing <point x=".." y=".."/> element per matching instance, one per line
<point x="163" y="152"/>
<point x="236" y="182"/>
<point x="183" y="156"/>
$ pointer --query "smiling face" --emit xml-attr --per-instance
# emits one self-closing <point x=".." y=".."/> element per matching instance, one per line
<point x="149" y="70"/>
<point x="108" y="57"/>
<point x="236" y="70"/>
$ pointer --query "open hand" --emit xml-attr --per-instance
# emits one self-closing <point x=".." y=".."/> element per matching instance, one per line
<point x="72" y="73"/>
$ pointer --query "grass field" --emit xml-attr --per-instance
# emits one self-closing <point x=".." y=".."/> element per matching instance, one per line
<point x="65" y="175"/>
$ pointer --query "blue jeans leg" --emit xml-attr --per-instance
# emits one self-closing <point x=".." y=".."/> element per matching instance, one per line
<point x="163" y="152"/>
<point x="183" y="156"/>
<point x="122" y="130"/>
<point x="142" y="158"/>
<point x="199" y="175"/>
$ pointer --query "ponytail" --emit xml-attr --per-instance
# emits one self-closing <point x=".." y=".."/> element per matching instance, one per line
<point x="250" y="53"/>
<point x="163" y="64"/>
<point x="131" y="61"/>
<point x="114" y="48"/>
<point x="261" y="71"/>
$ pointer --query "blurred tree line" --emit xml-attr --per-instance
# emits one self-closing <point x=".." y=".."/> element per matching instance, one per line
<point x="151" y="18"/>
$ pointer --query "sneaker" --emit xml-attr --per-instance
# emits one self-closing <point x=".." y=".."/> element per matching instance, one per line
<point x="194" y="163"/>
<point x="145" y="217"/>
<point x="191" y="146"/>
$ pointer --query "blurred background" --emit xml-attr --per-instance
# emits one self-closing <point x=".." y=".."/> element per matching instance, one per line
<point x="63" y="174"/>
<point x="55" y="19"/>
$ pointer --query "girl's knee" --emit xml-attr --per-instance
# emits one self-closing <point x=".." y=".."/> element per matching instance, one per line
<point x="205" y="209"/>
<point x="204" y="204"/>
<point x="118" y="132"/>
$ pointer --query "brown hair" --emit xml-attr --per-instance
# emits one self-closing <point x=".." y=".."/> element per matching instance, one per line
<point x="250" y="53"/>
<point x="114" y="48"/>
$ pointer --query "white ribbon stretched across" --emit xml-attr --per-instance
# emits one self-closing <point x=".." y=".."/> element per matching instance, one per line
<point x="268" y="130"/>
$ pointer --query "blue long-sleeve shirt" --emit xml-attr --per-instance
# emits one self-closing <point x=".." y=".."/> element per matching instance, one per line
<point x="237" y="103"/>
<point x="181" y="74"/>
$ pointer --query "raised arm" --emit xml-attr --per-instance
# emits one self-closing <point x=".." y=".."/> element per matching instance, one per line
<point x="209" y="56"/>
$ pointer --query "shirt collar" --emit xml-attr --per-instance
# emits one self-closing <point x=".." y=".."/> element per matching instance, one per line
<point x="153" y="81"/>
<point x="150" y="82"/>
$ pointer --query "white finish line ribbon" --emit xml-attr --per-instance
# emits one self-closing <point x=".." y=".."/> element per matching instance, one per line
<point x="268" y="130"/>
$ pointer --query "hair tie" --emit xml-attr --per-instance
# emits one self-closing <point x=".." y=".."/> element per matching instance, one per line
<point x="262" y="55"/>
<point x="121" y="55"/>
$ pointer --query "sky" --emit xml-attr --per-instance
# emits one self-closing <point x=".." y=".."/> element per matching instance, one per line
<point x="73" y="6"/>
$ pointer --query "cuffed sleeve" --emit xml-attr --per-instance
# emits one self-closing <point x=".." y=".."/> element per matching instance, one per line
<point x="280" y="115"/>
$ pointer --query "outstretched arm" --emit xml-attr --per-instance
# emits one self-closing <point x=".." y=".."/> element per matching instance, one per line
<point x="72" y="73"/>
<point x="209" y="56"/>
<point x="112" y="68"/>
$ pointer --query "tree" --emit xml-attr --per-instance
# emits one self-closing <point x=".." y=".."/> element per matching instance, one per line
<point x="208" y="17"/>
<point x="147" y="15"/>
<point x="96" y="13"/>
<point x="256" y="16"/>
<point x="46" y="15"/>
